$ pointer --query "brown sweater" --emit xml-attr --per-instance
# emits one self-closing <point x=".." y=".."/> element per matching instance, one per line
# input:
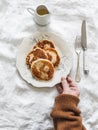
<point x="65" y="114"/>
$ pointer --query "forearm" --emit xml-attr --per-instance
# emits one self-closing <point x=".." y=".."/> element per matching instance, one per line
<point x="66" y="115"/>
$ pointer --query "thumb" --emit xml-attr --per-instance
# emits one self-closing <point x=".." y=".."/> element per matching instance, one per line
<point x="65" y="84"/>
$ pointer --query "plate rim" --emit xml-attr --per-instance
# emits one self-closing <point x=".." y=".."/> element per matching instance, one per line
<point x="31" y="36"/>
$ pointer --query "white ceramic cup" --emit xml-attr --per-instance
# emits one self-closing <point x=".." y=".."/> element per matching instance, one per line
<point x="41" y="14"/>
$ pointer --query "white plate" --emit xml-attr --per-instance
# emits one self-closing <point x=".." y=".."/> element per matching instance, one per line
<point x="63" y="50"/>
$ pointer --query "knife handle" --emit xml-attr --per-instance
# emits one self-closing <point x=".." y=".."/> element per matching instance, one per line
<point x="77" y="77"/>
<point x="85" y="68"/>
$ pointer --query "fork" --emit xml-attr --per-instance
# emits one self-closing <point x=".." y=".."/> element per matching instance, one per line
<point x="78" y="51"/>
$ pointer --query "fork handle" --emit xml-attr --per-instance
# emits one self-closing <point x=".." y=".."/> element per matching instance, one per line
<point x="77" y="77"/>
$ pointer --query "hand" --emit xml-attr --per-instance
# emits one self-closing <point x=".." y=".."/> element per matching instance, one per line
<point x="68" y="86"/>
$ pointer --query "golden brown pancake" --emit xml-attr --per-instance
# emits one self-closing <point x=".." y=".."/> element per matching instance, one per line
<point x="44" y="44"/>
<point x="42" y="69"/>
<point x="53" y="56"/>
<point x="34" y="55"/>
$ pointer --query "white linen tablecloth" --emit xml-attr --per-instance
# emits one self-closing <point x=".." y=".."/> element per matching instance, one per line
<point x="23" y="107"/>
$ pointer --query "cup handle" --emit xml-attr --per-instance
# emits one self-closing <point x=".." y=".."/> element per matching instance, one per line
<point x="31" y="11"/>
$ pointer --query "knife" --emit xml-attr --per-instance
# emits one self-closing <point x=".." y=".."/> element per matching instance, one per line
<point x="84" y="46"/>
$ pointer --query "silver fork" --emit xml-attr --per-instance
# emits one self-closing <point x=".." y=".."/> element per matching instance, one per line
<point x="78" y="51"/>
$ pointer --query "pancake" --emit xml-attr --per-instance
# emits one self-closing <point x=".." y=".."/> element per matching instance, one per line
<point x="42" y="69"/>
<point x="44" y="44"/>
<point x="53" y="56"/>
<point x="34" y="55"/>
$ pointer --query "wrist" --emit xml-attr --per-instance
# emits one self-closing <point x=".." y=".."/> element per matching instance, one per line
<point x="71" y="94"/>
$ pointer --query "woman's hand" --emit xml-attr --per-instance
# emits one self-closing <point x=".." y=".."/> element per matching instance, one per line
<point x="68" y="86"/>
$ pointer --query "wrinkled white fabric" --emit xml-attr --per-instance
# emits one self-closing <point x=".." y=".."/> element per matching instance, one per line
<point x="23" y="107"/>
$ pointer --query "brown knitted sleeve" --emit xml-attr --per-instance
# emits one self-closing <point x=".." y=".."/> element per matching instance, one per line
<point x="65" y="114"/>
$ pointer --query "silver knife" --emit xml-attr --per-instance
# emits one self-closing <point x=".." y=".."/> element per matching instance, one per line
<point x="84" y="46"/>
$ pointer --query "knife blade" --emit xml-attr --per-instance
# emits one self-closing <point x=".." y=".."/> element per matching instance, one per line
<point x="83" y="36"/>
<point x="84" y="46"/>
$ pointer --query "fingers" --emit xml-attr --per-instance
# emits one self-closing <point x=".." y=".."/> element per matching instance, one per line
<point x="71" y="82"/>
<point x="64" y="83"/>
<point x="59" y="88"/>
<point x="69" y="79"/>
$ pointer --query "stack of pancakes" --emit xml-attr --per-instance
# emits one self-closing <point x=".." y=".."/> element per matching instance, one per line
<point x="43" y="59"/>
